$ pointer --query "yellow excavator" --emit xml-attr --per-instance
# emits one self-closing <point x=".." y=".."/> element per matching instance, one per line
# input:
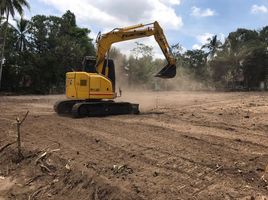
<point x="91" y="91"/>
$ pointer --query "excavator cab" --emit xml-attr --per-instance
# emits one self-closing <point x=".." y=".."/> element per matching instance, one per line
<point x="89" y="64"/>
<point x="108" y="69"/>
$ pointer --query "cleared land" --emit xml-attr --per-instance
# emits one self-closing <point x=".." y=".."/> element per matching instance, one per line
<point x="182" y="146"/>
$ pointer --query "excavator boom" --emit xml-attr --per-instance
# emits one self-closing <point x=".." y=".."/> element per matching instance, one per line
<point x="105" y="41"/>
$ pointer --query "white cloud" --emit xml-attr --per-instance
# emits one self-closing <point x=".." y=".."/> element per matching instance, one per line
<point x="198" y="12"/>
<point x="93" y="35"/>
<point x="127" y="46"/>
<point x="221" y="37"/>
<point x="172" y="2"/>
<point x="183" y="49"/>
<point x="118" y="13"/>
<point x="84" y="11"/>
<point x="196" y="46"/>
<point x="103" y="15"/>
<point x="255" y="9"/>
<point x="202" y="39"/>
<point x="165" y="15"/>
<point x="12" y="22"/>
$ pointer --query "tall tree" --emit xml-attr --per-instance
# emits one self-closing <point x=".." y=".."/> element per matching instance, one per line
<point x="21" y="29"/>
<point x="1" y="27"/>
<point x="264" y="34"/>
<point x="213" y="45"/>
<point x="229" y="66"/>
<point x="57" y="45"/>
<point x="8" y="8"/>
<point x="196" y="60"/>
<point x="141" y="66"/>
<point x="1" y="20"/>
<point x="255" y="68"/>
<point x="142" y="50"/>
<point x="177" y="50"/>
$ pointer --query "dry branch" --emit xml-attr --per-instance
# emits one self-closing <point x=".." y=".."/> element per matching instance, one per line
<point x="5" y="146"/>
<point x="40" y="157"/>
<point x="46" y="153"/>
<point x="33" y="179"/>
<point x="44" y="168"/>
<point x="37" y="192"/>
<point x="19" y="123"/>
<point x="18" y="119"/>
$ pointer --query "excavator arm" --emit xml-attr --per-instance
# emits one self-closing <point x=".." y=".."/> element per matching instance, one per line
<point x="105" y="41"/>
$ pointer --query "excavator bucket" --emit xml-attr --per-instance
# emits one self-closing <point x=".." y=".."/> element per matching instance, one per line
<point x="169" y="71"/>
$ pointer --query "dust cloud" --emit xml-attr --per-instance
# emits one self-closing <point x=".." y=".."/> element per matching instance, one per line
<point x="151" y="96"/>
<point x="182" y="82"/>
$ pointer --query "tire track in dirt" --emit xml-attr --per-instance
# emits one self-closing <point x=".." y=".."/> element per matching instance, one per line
<point x="210" y="135"/>
<point x="142" y="164"/>
<point x="166" y="155"/>
<point x="169" y="155"/>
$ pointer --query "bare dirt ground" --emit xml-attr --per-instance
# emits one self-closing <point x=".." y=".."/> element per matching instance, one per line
<point x="182" y="146"/>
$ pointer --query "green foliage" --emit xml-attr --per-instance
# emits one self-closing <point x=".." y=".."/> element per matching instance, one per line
<point x="213" y="46"/>
<point x="141" y="68"/>
<point x="21" y="29"/>
<point x="264" y="35"/>
<point x="241" y="62"/>
<point x="121" y="69"/>
<point x="2" y="18"/>
<point x="142" y="50"/>
<point x="42" y="50"/>
<point x="255" y="67"/>
<point x="177" y="50"/>
<point x="8" y="8"/>
<point x="11" y="6"/>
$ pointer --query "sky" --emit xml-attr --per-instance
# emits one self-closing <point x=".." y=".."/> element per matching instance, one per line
<point x="188" y="22"/>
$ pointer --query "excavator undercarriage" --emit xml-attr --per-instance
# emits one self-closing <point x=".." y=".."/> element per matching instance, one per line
<point x="79" y="109"/>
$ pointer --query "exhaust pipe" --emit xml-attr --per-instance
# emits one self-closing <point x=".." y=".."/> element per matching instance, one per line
<point x="169" y="71"/>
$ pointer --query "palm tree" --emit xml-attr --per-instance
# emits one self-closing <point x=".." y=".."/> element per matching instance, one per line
<point x="213" y="45"/>
<point x="22" y="27"/>
<point x="1" y="23"/>
<point x="1" y="20"/>
<point x="7" y="8"/>
<point x="234" y="58"/>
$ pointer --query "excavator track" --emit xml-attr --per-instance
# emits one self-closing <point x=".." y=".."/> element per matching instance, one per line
<point x="95" y="109"/>
<point x="64" y="107"/>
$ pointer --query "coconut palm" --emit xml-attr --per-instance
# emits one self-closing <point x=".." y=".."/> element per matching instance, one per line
<point x="1" y="20"/>
<point x="213" y="45"/>
<point x="1" y="24"/>
<point x="7" y="9"/>
<point x="22" y="28"/>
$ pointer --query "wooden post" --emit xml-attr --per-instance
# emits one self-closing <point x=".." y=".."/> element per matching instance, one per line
<point x="18" y="138"/>
<point x="19" y="123"/>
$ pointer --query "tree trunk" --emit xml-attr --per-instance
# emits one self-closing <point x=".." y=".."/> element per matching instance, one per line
<point x="18" y="140"/>
<point x="3" y="49"/>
